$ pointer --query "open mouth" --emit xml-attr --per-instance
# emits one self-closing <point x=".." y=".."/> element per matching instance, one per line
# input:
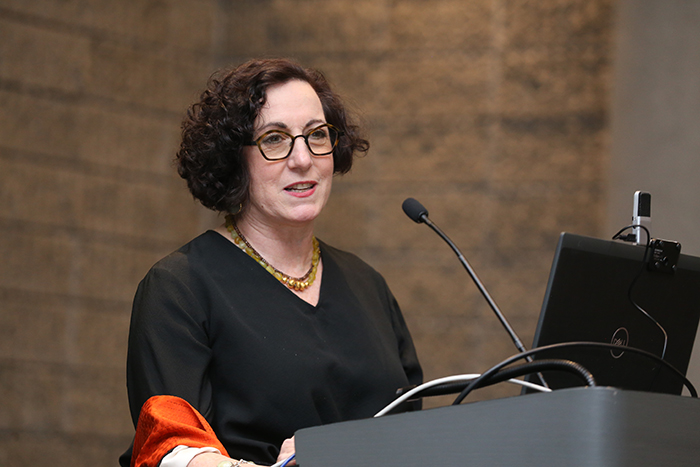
<point x="300" y="187"/>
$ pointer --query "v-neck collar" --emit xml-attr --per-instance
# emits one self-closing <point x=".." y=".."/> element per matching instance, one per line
<point x="322" y="291"/>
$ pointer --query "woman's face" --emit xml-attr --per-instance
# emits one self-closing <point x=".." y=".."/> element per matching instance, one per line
<point x="294" y="190"/>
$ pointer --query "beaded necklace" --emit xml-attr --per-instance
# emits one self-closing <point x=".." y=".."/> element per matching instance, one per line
<point x="294" y="283"/>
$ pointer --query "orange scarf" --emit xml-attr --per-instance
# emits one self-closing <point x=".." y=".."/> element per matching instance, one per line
<point x="166" y="422"/>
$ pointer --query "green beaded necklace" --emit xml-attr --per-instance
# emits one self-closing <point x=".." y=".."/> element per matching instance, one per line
<point x="294" y="283"/>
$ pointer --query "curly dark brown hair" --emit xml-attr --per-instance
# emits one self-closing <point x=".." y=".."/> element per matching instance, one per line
<point x="218" y="126"/>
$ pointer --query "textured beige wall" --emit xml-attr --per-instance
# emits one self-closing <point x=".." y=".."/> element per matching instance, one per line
<point x="493" y="113"/>
<point x="91" y="96"/>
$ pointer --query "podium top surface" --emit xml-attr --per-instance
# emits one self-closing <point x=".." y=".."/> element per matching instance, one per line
<point x="577" y="427"/>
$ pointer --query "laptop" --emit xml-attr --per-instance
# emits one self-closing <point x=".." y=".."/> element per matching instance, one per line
<point x="589" y="297"/>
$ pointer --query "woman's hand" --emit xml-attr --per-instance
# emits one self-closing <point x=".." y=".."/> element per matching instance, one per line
<point x="210" y="459"/>
<point x="287" y="450"/>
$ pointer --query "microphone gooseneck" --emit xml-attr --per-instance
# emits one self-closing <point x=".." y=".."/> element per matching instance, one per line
<point x="418" y="213"/>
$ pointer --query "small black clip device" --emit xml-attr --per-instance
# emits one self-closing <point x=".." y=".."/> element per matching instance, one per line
<point x="664" y="255"/>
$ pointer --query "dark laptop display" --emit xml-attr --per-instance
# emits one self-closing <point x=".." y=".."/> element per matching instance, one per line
<point x="587" y="300"/>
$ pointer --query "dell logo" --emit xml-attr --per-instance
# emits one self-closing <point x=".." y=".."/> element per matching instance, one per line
<point x="621" y="337"/>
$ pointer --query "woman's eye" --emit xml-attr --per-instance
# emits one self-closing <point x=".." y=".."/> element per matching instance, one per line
<point x="273" y="139"/>
<point x="320" y="133"/>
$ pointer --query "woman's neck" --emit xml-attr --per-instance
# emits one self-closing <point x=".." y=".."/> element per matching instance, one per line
<point x="288" y="248"/>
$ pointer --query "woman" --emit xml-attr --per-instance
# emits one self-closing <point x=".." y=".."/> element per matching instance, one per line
<point x="259" y="326"/>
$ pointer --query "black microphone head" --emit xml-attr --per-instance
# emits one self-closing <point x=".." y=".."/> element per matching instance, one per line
<point x="414" y="210"/>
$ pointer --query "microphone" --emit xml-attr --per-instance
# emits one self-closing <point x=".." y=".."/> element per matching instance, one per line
<point x="418" y="213"/>
<point x="415" y="210"/>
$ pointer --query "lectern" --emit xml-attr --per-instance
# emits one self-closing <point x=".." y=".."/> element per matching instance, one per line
<point x="570" y="427"/>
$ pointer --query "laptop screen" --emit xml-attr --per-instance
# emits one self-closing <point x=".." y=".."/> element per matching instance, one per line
<point x="589" y="297"/>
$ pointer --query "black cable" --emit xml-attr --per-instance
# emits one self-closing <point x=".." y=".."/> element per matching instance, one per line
<point x="536" y="366"/>
<point x="626" y="238"/>
<point x="493" y="370"/>
<point x="636" y="278"/>
<point x="505" y="374"/>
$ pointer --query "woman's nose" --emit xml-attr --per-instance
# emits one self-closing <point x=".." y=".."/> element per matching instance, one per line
<point x="301" y="155"/>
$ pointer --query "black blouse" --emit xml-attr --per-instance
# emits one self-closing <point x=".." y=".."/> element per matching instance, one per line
<point x="210" y="325"/>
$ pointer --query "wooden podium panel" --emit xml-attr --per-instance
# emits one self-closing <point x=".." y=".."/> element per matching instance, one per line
<point x="570" y="427"/>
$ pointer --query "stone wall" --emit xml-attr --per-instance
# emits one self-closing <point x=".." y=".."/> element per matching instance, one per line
<point x="493" y="113"/>
<point x="91" y="96"/>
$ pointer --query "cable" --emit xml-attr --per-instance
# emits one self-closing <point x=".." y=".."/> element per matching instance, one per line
<point x="449" y="379"/>
<point x="537" y="366"/>
<point x="639" y="274"/>
<point x="493" y="370"/>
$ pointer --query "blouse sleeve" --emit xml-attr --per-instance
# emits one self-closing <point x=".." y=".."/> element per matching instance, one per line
<point x="169" y="351"/>
<point x="407" y="350"/>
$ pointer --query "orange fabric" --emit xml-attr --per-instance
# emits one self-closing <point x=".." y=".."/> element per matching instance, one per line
<point x="166" y="422"/>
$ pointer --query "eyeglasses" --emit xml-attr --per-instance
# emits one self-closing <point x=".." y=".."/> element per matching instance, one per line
<point x="276" y="145"/>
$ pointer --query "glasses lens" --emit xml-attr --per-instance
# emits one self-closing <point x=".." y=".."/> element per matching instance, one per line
<point x="275" y="144"/>
<point x="322" y="140"/>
